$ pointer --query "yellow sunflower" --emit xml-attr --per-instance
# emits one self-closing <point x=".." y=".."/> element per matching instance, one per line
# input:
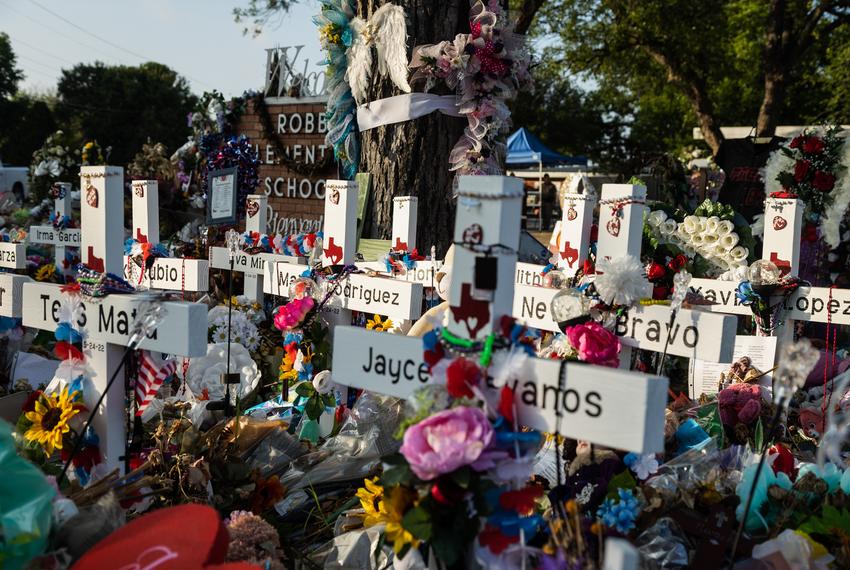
<point x="50" y="420"/>
<point x="370" y="499"/>
<point x="379" y="324"/>
<point x="395" y="504"/>
<point x="45" y="272"/>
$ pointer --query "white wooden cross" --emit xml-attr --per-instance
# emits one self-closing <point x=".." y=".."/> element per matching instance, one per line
<point x="13" y="255"/>
<point x="109" y="320"/>
<point x="169" y="273"/>
<point x="253" y="266"/>
<point x="398" y="299"/>
<point x="59" y="239"/>
<point x="607" y="406"/>
<point x="694" y="334"/>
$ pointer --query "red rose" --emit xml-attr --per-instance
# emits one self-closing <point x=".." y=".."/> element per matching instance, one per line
<point x="29" y="405"/>
<point x="801" y="169"/>
<point x="813" y="145"/>
<point x="797" y="141"/>
<point x="678" y="262"/>
<point x="823" y="181"/>
<point x="655" y="271"/>
<point x="461" y="375"/>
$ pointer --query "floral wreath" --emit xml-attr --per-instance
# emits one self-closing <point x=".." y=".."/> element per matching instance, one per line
<point x="814" y="166"/>
<point x="295" y="245"/>
<point x="233" y="152"/>
<point x="486" y="67"/>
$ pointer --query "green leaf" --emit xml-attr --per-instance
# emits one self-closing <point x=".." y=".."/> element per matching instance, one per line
<point x="314" y="407"/>
<point x="623" y="480"/>
<point x="708" y="418"/>
<point x="397" y="475"/>
<point x="758" y="436"/>
<point x="394" y="459"/>
<point x="447" y="547"/>
<point x="329" y="400"/>
<point x="417" y="521"/>
<point x="305" y="389"/>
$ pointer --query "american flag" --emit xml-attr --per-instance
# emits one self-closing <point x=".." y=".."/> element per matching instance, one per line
<point x="152" y="373"/>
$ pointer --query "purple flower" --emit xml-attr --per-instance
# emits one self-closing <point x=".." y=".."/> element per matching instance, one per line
<point x="447" y="441"/>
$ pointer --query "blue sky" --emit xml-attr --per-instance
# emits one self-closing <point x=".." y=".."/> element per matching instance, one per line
<point x="198" y="38"/>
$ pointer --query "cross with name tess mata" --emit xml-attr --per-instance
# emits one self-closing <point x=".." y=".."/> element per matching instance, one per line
<point x="168" y="273"/>
<point x="60" y="239"/>
<point x="109" y="321"/>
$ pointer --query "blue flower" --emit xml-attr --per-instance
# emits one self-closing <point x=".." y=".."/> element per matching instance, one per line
<point x="755" y="519"/>
<point x="830" y="474"/>
<point x="621" y="514"/>
<point x="745" y="293"/>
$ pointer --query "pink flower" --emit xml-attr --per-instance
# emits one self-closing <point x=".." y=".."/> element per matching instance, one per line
<point x="595" y="344"/>
<point x="293" y="313"/>
<point x="447" y="441"/>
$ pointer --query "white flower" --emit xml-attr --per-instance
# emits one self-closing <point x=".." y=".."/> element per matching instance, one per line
<point x="644" y="466"/>
<point x="206" y="371"/>
<point x="509" y="365"/>
<point x="220" y="335"/>
<point x="728" y="241"/>
<point x="711" y="224"/>
<point x="691" y="224"/>
<point x="323" y="382"/>
<point x="709" y="238"/>
<point x="621" y="281"/>
<point x="668" y="227"/>
<point x="757" y="227"/>
<point x="725" y="227"/>
<point x="738" y="254"/>
<point x="701" y="225"/>
<point x="656" y="218"/>
<point x="697" y="239"/>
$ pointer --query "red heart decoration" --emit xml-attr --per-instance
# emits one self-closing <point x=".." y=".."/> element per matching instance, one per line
<point x="779" y="223"/>
<point x="252" y="207"/>
<point x="613" y="226"/>
<point x="91" y="196"/>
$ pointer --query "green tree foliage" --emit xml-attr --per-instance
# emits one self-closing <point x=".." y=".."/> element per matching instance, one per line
<point x="658" y="68"/>
<point x="122" y="107"/>
<point x="10" y="75"/>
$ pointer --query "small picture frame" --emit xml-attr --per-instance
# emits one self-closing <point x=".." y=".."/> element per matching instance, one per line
<point x="222" y="196"/>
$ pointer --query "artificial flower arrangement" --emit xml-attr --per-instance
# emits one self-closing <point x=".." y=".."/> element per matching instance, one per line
<point x="53" y="162"/>
<point x="243" y="329"/>
<point x="462" y="473"/>
<point x="50" y="419"/>
<point x="486" y="68"/>
<point x="813" y="166"/>
<point x="709" y="234"/>
<point x="295" y="245"/>
<point x="92" y="154"/>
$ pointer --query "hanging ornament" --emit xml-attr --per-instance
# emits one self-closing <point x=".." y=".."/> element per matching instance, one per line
<point x="571" y="213"/>
<point x="613" y="226"/>
<point x="252" y="207"/>
<point x="779" y="223"/>
<point x="91" y="194"/>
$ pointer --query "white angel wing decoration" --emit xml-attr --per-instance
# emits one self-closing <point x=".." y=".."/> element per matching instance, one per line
<point x="390" y="30"/>
<point x="359" y="61"/>
<point x="387" y="31"/>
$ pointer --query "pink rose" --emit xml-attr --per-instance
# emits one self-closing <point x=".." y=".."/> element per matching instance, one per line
<point x="293" y="313"/>
<point x="595" y="344"/>
<point x="447" y="441"/>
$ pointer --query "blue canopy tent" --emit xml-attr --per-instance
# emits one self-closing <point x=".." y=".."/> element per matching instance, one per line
<point x="525" y="149"/>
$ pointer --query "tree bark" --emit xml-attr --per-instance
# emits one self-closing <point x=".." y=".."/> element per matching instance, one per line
<point x="526" y="13"/>
<point x="775" y="70"/>
<point x="411" y="158"/>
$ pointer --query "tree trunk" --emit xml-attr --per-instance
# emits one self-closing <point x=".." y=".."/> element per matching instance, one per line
<point x="411" y="158"/>
<point x="774" y="70"/>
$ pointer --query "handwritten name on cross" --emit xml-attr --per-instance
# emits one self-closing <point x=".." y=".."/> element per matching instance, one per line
<point x="173" y="274"/>
<point x="254" y="266"/>
<point x="607" y="406"/>
<point x="60" y="239"/>
<point x="108" y="321"/>
<point x="397" y="299"/>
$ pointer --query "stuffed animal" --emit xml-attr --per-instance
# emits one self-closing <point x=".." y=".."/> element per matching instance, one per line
<point x="739" y="404"/>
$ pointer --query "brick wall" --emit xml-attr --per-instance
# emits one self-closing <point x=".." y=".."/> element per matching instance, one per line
<point x="293" y="198"/>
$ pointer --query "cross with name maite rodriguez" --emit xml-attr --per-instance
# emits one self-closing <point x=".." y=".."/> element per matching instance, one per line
<point x="606" y="406"/>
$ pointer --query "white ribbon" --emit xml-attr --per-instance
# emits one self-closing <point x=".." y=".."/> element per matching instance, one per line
<point x="403" y="108"/>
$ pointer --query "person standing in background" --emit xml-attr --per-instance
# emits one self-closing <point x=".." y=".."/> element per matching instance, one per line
<point x="548" y="198"/>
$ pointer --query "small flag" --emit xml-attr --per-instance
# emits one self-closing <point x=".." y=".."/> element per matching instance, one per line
<point x="152" y="373"/>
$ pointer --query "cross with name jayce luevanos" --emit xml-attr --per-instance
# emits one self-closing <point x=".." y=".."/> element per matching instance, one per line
<point x="607" y="406"/>
<point x="108" y="321"/>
